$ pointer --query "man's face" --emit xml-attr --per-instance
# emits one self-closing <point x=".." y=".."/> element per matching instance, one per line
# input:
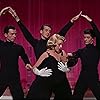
<point x="11" y="35"/>
<point x="45" y="33"/>
<point x="88" y="39"/>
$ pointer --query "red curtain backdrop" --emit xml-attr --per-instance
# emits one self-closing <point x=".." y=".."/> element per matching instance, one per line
<point x="34" y="13"/>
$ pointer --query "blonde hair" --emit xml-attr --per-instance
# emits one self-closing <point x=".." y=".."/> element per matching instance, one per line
<point x="51" y="43"/>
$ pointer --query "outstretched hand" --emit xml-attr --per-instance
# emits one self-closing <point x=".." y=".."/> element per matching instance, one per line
<point x="4" y="10"/>
<point x="11" y="11"/>
<point x="76" y="17"/>
<point x="63" y="67"/>
<point x="44" y="72"/>
<point x="86" y="17"/>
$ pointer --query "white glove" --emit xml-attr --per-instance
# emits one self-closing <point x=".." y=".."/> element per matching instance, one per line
<point x="44" y="72"/>
<point x="63" y="67"/>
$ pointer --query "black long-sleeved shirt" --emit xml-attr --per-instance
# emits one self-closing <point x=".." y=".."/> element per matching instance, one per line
<point x="90" y="56"/>
<point x="9" y="55"/>
<point x="40" y="45"/>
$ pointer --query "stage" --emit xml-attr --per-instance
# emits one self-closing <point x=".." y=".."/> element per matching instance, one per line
<point x="10" y="98"/>
<point x="7" y="95"/>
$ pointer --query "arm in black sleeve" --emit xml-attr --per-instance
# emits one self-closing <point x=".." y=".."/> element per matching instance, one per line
<point x="72" y="60"/>
<point x="27" y="34"/>
<point x="64" y="30"/>
<point x="24" y="56"/>
<point x="97" y="34"/>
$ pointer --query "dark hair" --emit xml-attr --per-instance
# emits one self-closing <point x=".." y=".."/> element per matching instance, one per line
<point x="6" y="29"/>
<point x="89" y="31"/>
<point x="42" y="27"/>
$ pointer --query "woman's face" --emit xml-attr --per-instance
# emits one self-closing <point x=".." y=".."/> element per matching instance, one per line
<point x="58" y="46"/>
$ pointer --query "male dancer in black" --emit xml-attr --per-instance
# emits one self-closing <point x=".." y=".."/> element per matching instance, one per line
<point x="9" y="70"/>
<point x="45" y="31"/>
<point x="89" y="56"/>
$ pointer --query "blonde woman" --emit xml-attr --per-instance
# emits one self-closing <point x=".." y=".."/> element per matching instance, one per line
<point x="42" y="87"/>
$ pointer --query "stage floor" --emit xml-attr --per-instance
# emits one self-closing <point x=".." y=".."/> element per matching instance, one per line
<point x="7" y="95"/>
<point x="10" y="98"/>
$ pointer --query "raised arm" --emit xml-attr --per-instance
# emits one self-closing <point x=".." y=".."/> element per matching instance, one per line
<point x="64" y="30"/>
<point x="24" y="30"/>
<point x="95" y="30"/>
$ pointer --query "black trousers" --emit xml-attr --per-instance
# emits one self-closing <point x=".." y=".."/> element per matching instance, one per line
<point x="42" y="90"/>
<point x="14" y="86"/>
<point x="83" y="84"/>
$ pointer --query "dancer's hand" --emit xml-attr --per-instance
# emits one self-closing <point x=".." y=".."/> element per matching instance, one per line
<point x="63" y="67"/>
<point x="69" y="54"/>
<point x="4" y="10"/>
<point x="44" y="72"/>
<point x="11" y="11"/>
<point x="28" y="66"/>
<point x="76" y="17"/>
<point x="14" y="14"/>
<point x="86" y="17"/>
